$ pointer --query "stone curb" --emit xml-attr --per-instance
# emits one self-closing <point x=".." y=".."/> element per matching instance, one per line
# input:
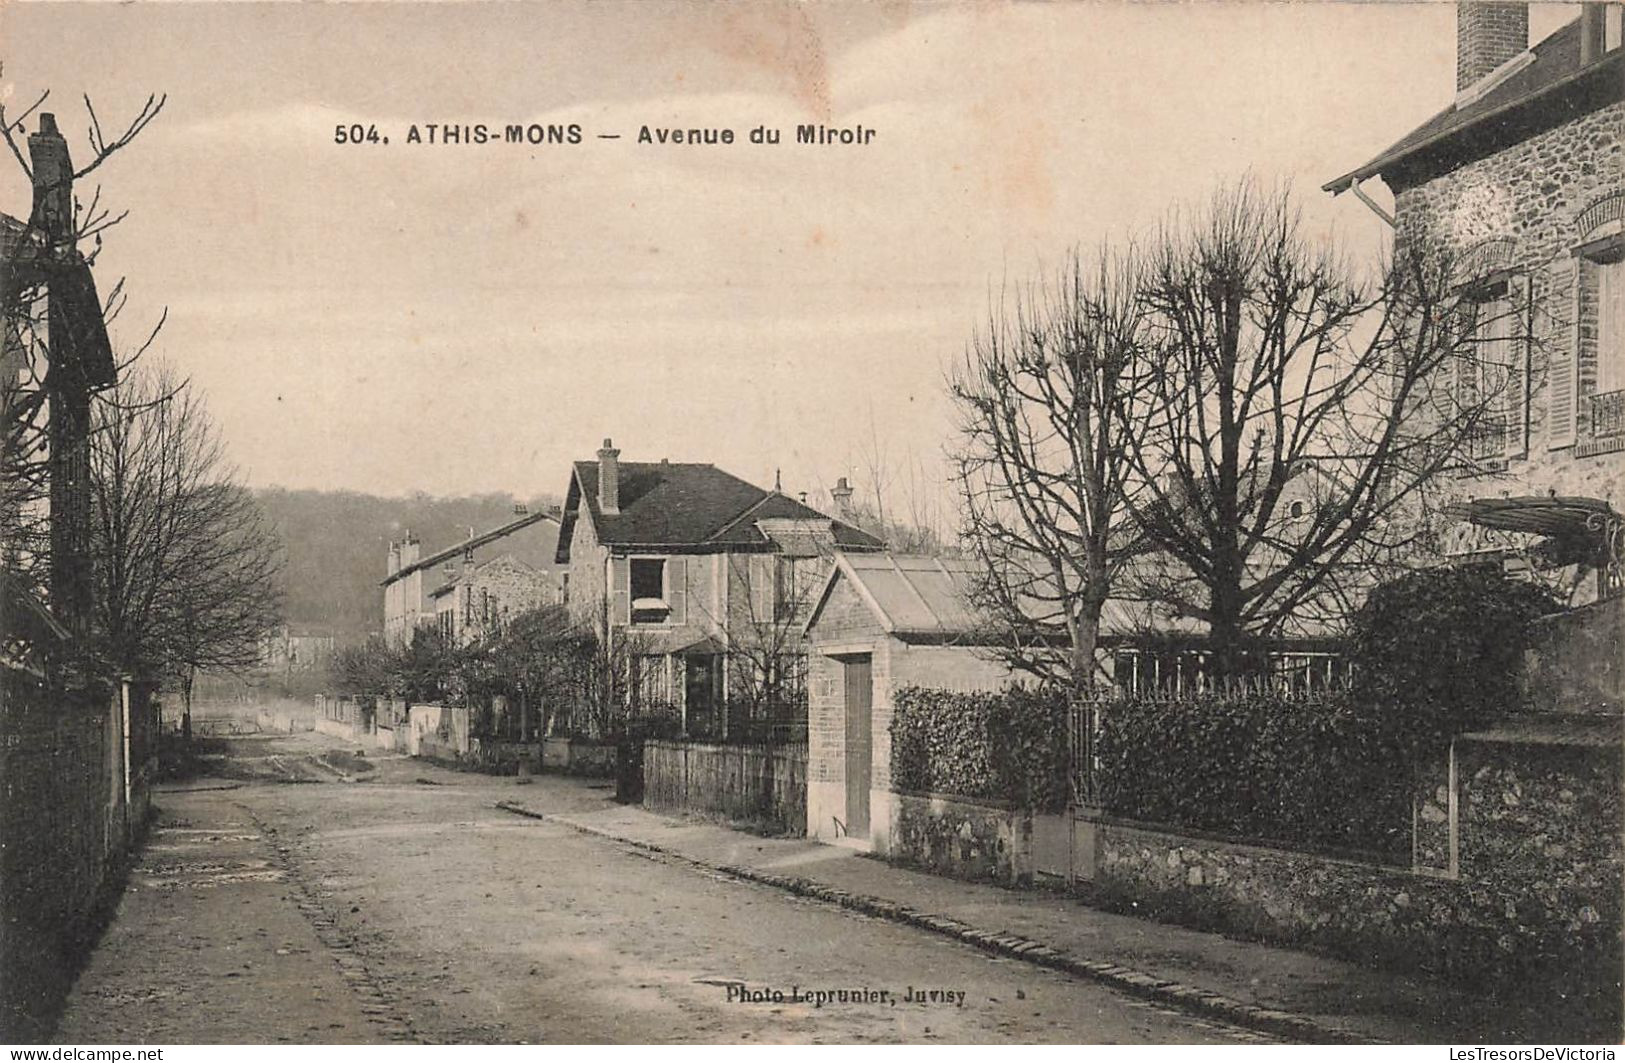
<point x="1013" y="946"/>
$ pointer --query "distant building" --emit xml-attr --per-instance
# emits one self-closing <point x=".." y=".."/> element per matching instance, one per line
<point x="446" y="588"/>
<point x="295" y="649"/>
<point x="1523" y="176"/>
<point x="686" y="566"/>
<point x="474" y="600"/>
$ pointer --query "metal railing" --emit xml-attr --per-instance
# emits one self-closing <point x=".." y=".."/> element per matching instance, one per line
<point x="1608" y="414"/>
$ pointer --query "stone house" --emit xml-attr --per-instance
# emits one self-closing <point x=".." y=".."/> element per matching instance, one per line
<point x="474" y="600"/>
<point x="466" y="589"/>
<point x="1522" y="175"/>
<point x="699" y="576"/>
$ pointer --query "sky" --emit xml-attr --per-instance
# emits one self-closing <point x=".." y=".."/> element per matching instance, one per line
<point x="460" y="318"/>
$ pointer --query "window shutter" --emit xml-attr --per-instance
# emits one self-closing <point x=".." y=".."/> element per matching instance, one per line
<point x="1520" y="300"/>
<point x="620" y="593"/>
<point x="762" y="586"/>
<point x="1561" y="373"/>
<point x="677" y="588"/>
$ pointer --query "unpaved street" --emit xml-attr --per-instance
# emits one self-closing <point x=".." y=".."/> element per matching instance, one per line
<point x="307" y="897"/>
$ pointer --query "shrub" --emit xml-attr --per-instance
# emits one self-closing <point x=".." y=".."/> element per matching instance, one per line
<point x="1009" y="746"/>
<point x="1438" y="652"/>
<point x="1262" y="765"/>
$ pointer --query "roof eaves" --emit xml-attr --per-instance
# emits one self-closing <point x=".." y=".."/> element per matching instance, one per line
<point x="1400" y="151"/>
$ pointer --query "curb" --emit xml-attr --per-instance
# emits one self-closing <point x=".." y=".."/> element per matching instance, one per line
<point x="1012" y="946"/>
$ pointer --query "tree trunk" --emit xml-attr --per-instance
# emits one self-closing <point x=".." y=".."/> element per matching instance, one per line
<point x="186" y="703"/>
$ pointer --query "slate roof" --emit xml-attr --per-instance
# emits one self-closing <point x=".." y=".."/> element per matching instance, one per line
<point x="83" y="348"/>
<point x="467" y="545"/>
<point x="1502" y="115"/>
<point x="687" y="505"/>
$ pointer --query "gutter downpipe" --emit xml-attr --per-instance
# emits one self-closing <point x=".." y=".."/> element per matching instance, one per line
<point x="1376" y="208"/>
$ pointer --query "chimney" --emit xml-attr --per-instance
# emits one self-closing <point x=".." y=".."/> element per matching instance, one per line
<point x="1593" y="32"/>
<point x="1488" y="33"/>
<point x="409" y="551"/>
<point x="53" y="182"/>
<point x="841" y="495"/>
<point x="394" y="558"/>
<point x="609" y="478"/>
<point x="520" y="509"/>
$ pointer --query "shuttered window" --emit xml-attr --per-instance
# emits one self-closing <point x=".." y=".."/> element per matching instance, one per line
<point x="1611" y="325"/>
<point x="1561" y="372"/>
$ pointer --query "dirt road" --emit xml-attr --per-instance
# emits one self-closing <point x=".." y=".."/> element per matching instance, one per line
<point x="308" y="895"/>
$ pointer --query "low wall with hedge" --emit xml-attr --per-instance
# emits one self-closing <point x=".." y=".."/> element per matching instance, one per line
<point x="1008" y="747"/>
<point x="764" y="787"/>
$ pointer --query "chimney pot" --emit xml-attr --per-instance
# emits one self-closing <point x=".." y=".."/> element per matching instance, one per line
<point x="841" y="495"/>
<point x="1488" y="34"/>
<point x="609" y="478"/>
<point x="1593" y="31"/>
<point x="53" y="181"/>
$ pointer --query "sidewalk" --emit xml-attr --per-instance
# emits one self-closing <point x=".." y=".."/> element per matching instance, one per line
<point x="213" y="943"/>
<point x="1283" y="991"/>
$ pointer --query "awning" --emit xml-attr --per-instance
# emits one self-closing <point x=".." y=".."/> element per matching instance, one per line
<point x="1557" y="516"/>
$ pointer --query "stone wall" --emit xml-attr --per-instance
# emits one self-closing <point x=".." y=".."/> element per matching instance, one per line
<point x="1537" y="197"/>
<point x="579" y="756"/>
<point x="975" y="840"/>
<point x="764" y="787"/>
<point x="65" y="829"/>
<point x="1536" y="902"/>
<point x="1575" y="661"/>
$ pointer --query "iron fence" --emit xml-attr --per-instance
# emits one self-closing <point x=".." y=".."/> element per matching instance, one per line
<point x="1608" y="414"/>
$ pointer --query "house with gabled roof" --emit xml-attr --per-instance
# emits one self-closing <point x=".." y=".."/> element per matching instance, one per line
<point x="692" y="570"/>
<point x="466" y="589"/>
<point x="1522" y="177"/>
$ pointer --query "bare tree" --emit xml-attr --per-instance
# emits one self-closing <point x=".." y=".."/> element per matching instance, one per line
<point x="1042" y="462"/>
<point x="185" y="563"/>
<point x="1285" y="419"/>
<point x="767" y="655"/>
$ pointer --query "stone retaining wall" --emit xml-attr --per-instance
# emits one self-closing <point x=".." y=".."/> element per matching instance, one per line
<point x="948" y="835"/>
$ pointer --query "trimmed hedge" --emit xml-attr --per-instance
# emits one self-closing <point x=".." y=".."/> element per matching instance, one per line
<point x="1434" y="653"/>
<point x="1262" y="765"/>
<point x="1009" y="746"/>
<point x="1438" y="652"/>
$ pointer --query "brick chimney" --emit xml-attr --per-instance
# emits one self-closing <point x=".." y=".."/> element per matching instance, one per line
<point x="841" y="495"/>
<point x="1593" y="31"/>
<point x="609" y="478"/>
<point x="1488" y="33"/>
<point x="53" y="181"/>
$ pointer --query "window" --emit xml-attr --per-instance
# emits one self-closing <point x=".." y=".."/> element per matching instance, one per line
<point x="1485" y="381"/>
<point x="648" y="588"/>
<point x="786" y="587"/>
<point x="649" y="682"/>
<point x="1602" y="332"/>
<point x="1610" y="274"/>
<point x="1296" y="510"/>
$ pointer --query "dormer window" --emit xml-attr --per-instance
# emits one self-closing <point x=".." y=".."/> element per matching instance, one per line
<point x="650" y="603"/>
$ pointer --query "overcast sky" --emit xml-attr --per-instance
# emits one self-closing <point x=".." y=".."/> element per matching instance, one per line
<point x="456" y="318"/>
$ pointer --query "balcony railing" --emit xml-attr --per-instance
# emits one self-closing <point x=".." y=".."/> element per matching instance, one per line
<point x="1488" y="439"/>
<point x="1608" y="414"/>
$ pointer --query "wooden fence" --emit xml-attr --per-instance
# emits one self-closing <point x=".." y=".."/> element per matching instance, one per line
<point x="765" y="786"/>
